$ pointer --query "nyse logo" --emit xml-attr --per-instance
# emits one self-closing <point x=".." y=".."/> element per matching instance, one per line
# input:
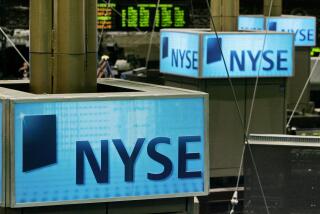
<point x="101" y="171"/>
<point x="165" y="47"/>
<point x="273" y="26"/>
<point x="40" y="150"/>
<point x="39" y="142"/>
<point x="299" y="34"/>
<point x="180" y="58"/>
<point x="242" y="59"/>
<point x="214" y="50"/>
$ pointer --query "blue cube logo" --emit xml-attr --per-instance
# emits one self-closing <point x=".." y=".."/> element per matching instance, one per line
<point x="39" y="141"/>
<point x="213" y="50"/>
<point x="165" y="47"/>
<point x="272" y="26"/>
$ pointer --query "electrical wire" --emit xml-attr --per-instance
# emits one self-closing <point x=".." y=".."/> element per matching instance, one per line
<point x="14" y="46"/>
<point x="152" y="33"/>
<point x="225" y="65"/>
<point x="250" y="119"/>
<point x="242" y="122"/>
<point x="303" y="90"/>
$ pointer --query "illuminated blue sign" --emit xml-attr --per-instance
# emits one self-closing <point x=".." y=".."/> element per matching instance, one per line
<point x="108" y="150"/>
<point x="304" y="28"/>
<point x="179" y="53"/>
<point x="247" y="55"/>
<point x="251" y="23"/>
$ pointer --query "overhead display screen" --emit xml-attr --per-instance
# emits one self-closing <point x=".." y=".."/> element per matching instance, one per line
<point x="99" y="151"/>
<point x="107" y="16"/>
<point x="141" y="15"/>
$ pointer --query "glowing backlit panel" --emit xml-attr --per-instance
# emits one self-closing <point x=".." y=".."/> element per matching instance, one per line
<point x="200" y="54"/>
<point x="304" y="28"/>
<point x="251" y="23"/>
<point x="247" y="55"/>
<point x="179" y="53"/>
<point x="108" y="150"/>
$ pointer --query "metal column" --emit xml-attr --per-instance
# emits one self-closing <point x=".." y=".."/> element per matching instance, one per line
<point x="69" y="46"/>
<point x="91" y="48"/>
<point x="63" y="46"/>
<point x="225" y="14"/>
<point x="276" y="9"/>
<point x="41" y="25"/>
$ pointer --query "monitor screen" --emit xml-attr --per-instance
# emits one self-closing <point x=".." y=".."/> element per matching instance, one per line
<point x="142" y="15"/>
<point x="106" y="15"/>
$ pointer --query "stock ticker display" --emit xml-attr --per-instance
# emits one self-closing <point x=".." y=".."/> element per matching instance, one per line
<point x="141" y="15"/>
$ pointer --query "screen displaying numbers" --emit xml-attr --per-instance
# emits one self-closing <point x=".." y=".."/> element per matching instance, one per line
<point x="142" y="15"/>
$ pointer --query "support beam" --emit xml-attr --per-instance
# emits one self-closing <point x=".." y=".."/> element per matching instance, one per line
<point x="63" y="46"/>
<point x="41" y="25"/>
<point x="91" y="48"/>
<point x="225" y="14"/>
<point x="70" y="46"/>
<point x="276" y="9"/>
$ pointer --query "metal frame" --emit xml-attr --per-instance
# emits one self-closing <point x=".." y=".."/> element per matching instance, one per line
<point x="283" y="140"/>
<point x="2" y="202"/>
<point x="4" y="140"/>
<point x="200" y="67"/>
<point x="7" y="154"/>
<point x="108" y="97"/>
<point x="200" y="58"/>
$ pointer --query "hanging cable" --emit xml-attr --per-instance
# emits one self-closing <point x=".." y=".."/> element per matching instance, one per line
<point x="303" y="90"/>
<point x="227" y="70"/>
<point x="152" y="33"/>
<point x="257" y="78"/>
<point x="234" y="199"/>
<point x="250" y="119"/>
<point x="14" y="46"/>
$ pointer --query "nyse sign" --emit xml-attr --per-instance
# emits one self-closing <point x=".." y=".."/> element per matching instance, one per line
<point x="251" y="23"/>
<point x="84" y="149"/>
<point x="200" y="54"/>
<point x="108" y="150"/>
<point x="179" y="53"/>
<point x="248" y="55"/>
<point x="303" y="28"/>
